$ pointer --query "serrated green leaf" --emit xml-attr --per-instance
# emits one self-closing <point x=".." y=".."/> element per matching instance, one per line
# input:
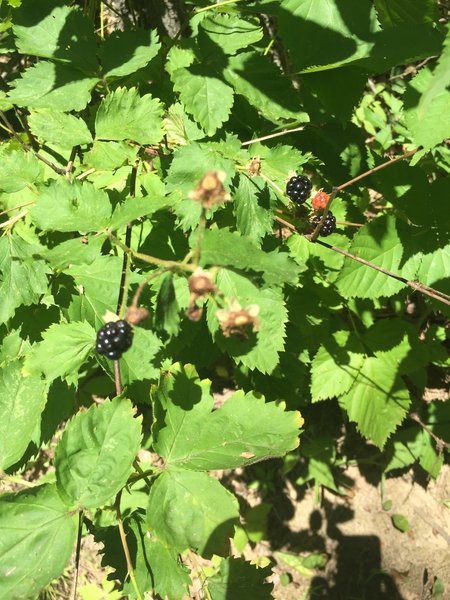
<point x="187" y="509"/>
<point x="378" y="242"/>
<point x="38" y="537"/>
<point x="180" y="129"/>
<point x="250" y="199"/>
<point x="276" y="162"/>
<point x="63" y="350"/>
<point x="222" y="247"/>
<point x="397" y="12"/>
<point x="239" y="579"/>
<point x="243" y="431"/>
<point x="261" y="353"/>
<point x="125" y="115"/>
<point x="228" y="33"/>
<point x="261" y="83"/>
<point x="124" y="52"/>
<point x="78" y="251"/>
<point x="23" y="275"/>
<point x="171" y="578"/>
<point x="95" y="456"/>
<point x="204" y="96"/>
<point x="138" y="363"/>
<point x="51" y="30"/>
<point x="59" y="128"/>
<point x="18" y="169"/>
<point x="336" y="365"/>
<point x="71" y="206"/>
<point x="22" y="400"/>
<point x="428" y="121"/>
<point x="378" y="400"/>
<point x="167" y="314"/>
<point x="52" y="85"/>
<point x="110" y="155"/>
<point x="134" y="208"/>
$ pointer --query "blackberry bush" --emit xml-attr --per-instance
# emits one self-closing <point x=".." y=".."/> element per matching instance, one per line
<point x="298" y="189"/>
<point x="328" y="225"/>
<point x="113" y="339"/>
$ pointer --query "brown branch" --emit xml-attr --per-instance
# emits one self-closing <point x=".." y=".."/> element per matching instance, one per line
<point x="439" y="441"/>
<point x="126" y="550"/>
<point x="272" y="135"/>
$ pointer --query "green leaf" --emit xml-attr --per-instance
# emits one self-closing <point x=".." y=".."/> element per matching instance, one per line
<point x="427" y="107"/>
<point x="95" y="456"/>
<point x="134" y="208"/>
<point x="262" y="84"/>
<point x="22" y="400"/>
<point x="77" y="251"/>
<point x="336" y="365"/>
<point x="23" y="275"/>
<point x="243" y="431"/>
<point x="263" y="353"/>
<point x="18" y="169"/>
<point x="59" y="128"/>
<point x="167" y="314"/>
<point x="228" y="33"/>
<point x="187" y="509"/>
<point x="254" y="220"/>
<point x="398" y="12"/>
<point x="240" y="580"/>
<point x="171" y="579"/>
<point x="63" y="350"/>
<point x="138" y="363"/>
<point x="222" y="247"/>
<point x="110" y="155"/>
<point x="38" y="536"/>
<point x="400" y="522"/>
<point x="54" y="86"/>
<point x="205" y="97"/>
<point x="71" y="206"/>
<point x="179" y="127"/>
<point x="51" y="30"/>
<point x="378" y="242"/>
<point x="124" y="52"/>
<point x="124" y="115"/>
<point x="378" y="400"/>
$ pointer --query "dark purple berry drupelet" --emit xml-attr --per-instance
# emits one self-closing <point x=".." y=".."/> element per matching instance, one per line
<point x="298" y="189"/>
<point x="328" y="225"/>
<point x="114" y="338"/>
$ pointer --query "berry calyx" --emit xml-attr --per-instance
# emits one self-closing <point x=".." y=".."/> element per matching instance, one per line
<point x="298" y="188"/>
<point x="328" y="225"/>
<point x="320" y="201"/>
<point x="114" y="338"/>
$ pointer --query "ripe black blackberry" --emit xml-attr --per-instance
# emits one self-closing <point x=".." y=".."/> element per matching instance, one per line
<point x="328" y="225"/>
<point x="113" y="339"/>
<point x="298" y="189"/>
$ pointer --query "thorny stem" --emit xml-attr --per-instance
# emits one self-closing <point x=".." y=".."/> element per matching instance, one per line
<point x="388" y="163"/>
<point x="126" y="550"/>
<point x="415" y="285"/>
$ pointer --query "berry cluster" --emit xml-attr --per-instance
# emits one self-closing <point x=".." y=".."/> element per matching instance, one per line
<point x="328" y="225"/>
<point x="298" y="189"/>
<point x="113" y="339"/>
<point x="320" y="201"/>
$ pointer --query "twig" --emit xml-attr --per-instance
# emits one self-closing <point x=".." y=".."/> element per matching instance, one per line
<point x="13" y="220"/>
<point x="117" y="378"/>
<point x="388" y="163"/>
<point x="272" y="135"/>
<point x="126" y="550"/>
<point x="70" y="162"/>
<point x="7" y="210"/>
<point x="217" y="5"/>
<point x="73" y="591"/>
<point x="439" y="441"/>
<point x="415" y="285"/>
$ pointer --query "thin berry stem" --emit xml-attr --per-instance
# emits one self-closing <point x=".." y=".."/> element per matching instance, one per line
<point x="126" y="550"/>
<point x="117" y="377"/>
<point x="272" y="135"/>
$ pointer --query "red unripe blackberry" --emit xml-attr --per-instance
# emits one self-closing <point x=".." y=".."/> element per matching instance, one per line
<point x="328" y="225"/>
<point x="114" y="338"/>
<point x="320" y="201"/>
<point x="298" y="189"/>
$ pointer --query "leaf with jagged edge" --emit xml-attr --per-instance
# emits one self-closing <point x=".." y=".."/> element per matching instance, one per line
<point x="56" y="127"/>
<point x="206" y="97"/>
<point x="62" y="352"/>
<point x="38" y="537"/>
<point x="188" y="509"/>
<point x="240" y="579"/>
<point x="23" y="274"/>
<point x="245" y="430"/>
<point x="378" y="242"/>
<point x="22" y="400"/>
<point x="336" y="365"/>
<point x="124" y="52"/>
<point x="36" y="87"/>
<point x="18" y="169"/>
<point x="261" y="350"/>
<point x="222" y="33"/>
<point x="95" y="455"/>
<point x="125" y="115"/>
<point x="254" y="218"/>
<point x="378" y="400"/>
<point x="398" y="12"/>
